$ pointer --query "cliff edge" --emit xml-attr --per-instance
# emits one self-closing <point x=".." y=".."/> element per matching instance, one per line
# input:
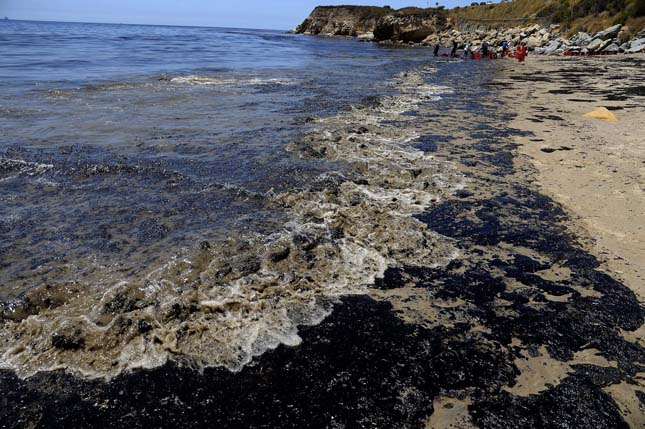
<point x="377" y="23"/>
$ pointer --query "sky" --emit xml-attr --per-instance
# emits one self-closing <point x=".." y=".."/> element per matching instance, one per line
<point x="261" y="14"/>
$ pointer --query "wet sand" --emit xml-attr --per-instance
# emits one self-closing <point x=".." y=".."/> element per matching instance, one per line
<point x="523" y="328"/>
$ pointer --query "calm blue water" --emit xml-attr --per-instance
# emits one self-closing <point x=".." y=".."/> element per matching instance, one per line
<point x="78" y="54"/>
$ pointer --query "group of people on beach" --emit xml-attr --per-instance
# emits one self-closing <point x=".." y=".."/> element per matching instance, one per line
<point x="485" y="52"/>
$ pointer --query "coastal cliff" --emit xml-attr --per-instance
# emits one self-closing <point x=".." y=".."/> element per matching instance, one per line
<point x="377" y="23"/>
<point x="429" y="27"/>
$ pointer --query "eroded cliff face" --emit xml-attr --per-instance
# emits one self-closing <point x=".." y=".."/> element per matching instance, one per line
<point x="342" y="20"/>
<point x="409" y="25"/>
<point x="379" y="23"/>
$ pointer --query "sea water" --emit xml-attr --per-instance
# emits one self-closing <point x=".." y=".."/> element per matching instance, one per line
<point x="196" y="194"/>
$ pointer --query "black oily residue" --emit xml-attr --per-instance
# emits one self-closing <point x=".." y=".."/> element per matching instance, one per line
<point x="562" y="91"/>
<point x="636" y="90"/>
<point x="364" y="367"/>
<point x="550" y="117"/>
<point x="556" y="149"/>
<point x="430" y="143"/>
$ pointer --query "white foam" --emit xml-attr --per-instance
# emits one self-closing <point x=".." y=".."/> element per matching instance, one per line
<point x="25" y="167"/>
<point x="228" y="81"/>
<point x="225" y="306"/>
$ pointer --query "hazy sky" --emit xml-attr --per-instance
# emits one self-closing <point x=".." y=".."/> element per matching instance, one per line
<point x="267" y="14"/>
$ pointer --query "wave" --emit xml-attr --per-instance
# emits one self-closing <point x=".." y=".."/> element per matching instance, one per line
<point x="9" y="165"/>
<point x="229" y="81"/>
<point x="221" y="304"/>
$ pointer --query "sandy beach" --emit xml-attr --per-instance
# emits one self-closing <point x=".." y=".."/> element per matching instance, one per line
<point x="594" y="167"/>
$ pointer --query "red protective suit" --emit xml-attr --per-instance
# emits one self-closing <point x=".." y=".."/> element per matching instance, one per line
<point x="520" y="53"/>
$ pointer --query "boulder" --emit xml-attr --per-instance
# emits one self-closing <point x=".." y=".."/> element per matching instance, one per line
<point x="533" y="29"/>
<point x="552" y="48"/>
<point x="594" y="45"/>
<point x="581" y="38"/>
<point x="637" y="45"/>
<point x="612" y="48"/>
<point x="608" y="33"/>
<point x="606" y="44"/>
<point x="533" y="42"/>
<point x="623" y="35"/>
<point x="369" y="36"/>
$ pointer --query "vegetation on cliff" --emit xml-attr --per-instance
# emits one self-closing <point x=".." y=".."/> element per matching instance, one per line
<point x="574" y="15"/>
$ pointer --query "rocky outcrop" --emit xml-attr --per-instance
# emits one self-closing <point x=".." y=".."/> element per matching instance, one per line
<point x="431" y="27"/>
<point x="342" y="20"/>
<point x="404" y="26"/>
<point x="373" y="23"/>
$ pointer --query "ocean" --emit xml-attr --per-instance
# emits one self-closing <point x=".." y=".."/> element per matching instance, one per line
<point x="196" y="194"/>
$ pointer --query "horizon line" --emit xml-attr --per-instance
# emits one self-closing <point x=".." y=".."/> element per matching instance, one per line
<point x="143" y="25"/>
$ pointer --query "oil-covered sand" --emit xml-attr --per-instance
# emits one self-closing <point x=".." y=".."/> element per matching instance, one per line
<point x="488" y="306"/>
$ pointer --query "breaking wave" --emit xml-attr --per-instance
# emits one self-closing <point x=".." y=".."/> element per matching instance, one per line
<point x="229" y="81"/>
<point x="223" y="303"/>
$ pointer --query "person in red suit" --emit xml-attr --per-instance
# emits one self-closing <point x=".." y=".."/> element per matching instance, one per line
<point x="521" y="52"/>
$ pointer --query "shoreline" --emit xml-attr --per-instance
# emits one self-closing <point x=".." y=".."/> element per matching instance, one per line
<point x="523" y="329"/>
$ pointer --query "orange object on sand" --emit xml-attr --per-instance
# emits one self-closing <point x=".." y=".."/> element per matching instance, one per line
<point x="602" y="113"/>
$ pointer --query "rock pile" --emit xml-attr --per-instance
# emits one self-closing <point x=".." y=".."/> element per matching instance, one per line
<point x="545" y="40"/>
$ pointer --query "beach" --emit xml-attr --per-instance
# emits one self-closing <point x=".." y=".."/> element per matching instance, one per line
<point x="595" y="168"/>
<point x="441" y="244"/>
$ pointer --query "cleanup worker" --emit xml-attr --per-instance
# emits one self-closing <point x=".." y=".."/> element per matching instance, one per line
<point x="436" y="50"/>
<point x="521" y="52"/>
<point x="453" y="53"/>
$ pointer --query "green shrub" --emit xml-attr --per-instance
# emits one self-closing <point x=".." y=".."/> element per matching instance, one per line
<point x="563" y="14"/>
<point x="622" y="18"/>
<point x="548" y="11"/>
<point x="592" y="7"/>
<point x="638" y="8"/>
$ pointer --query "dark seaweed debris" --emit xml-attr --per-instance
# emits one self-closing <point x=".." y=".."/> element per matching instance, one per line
<point x="364" y="367"/>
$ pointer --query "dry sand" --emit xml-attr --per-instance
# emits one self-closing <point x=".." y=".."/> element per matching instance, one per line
<point x="595" y="168"/>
